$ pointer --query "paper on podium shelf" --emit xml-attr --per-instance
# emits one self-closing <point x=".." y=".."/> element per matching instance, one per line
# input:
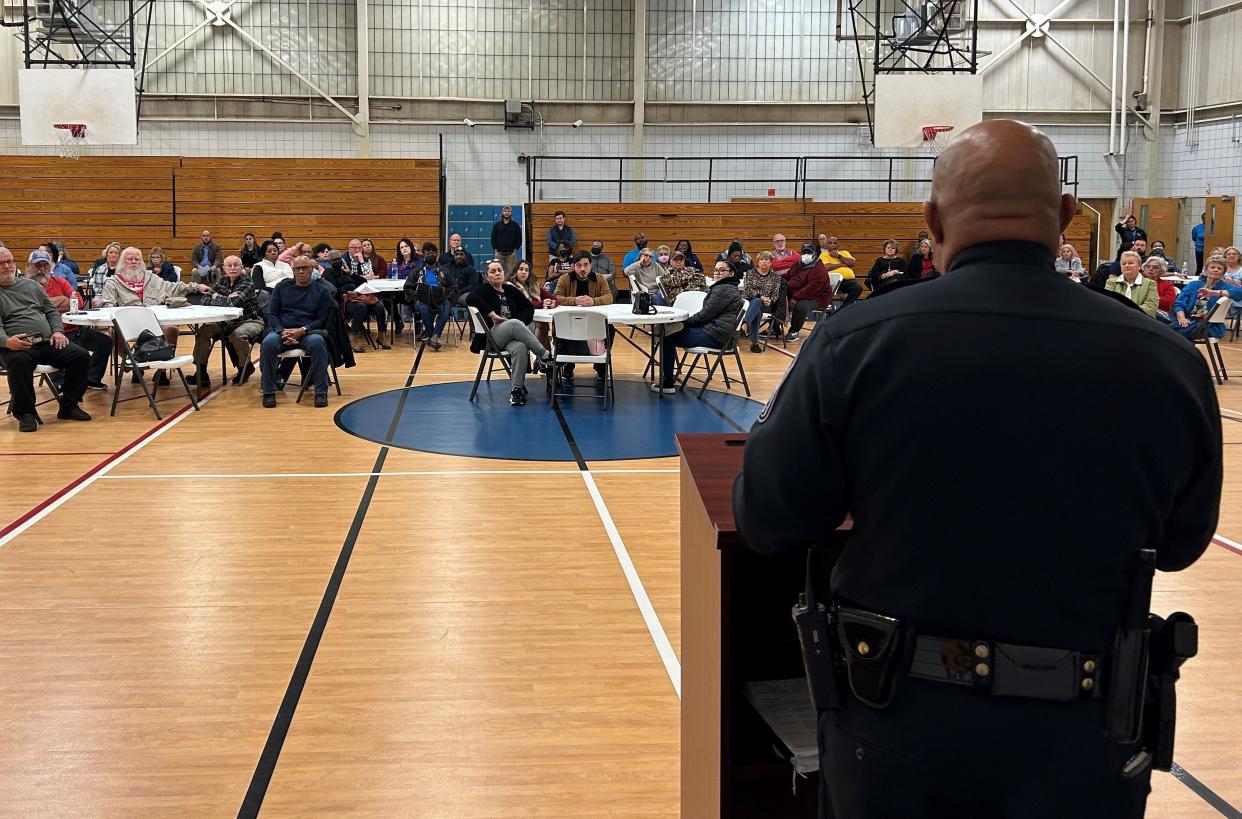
<point x="785" y="705"/>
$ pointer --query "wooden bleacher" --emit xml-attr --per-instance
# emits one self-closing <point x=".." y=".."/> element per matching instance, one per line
<point x="862" y="227"/>
<point x="168" y="201"/>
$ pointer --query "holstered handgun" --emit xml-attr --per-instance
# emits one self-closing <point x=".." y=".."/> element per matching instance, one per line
<point x="813" y="621"/>
<point x="1173" y="641"/>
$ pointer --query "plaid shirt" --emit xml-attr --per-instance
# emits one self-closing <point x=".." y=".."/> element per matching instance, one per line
<point x="222" y="296"/>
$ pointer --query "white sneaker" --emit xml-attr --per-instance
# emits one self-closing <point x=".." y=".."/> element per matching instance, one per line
<point x="666" y="390"/>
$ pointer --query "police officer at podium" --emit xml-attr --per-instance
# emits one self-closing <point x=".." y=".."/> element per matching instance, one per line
<point x="989" y="434"/>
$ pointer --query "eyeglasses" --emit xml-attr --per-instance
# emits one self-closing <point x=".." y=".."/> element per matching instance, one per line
<point x="7" y="262"/>
<point x="723" y="270"/>
<point x="303" y="267"/>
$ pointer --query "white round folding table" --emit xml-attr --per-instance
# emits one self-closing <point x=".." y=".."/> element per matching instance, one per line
<point x="623" y="314"/>
<point x="191" y="315"/>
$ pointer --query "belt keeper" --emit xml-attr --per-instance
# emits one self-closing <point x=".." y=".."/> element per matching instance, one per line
<point x="981" y="664"/>
<point x="1089" y="676"/>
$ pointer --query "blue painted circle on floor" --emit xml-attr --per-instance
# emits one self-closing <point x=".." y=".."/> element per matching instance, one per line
<point x="439" y="418"/>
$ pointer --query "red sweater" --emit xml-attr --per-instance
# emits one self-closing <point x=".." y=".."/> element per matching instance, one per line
<point x="1168" y="294"/>
<point x="810" y="283"/>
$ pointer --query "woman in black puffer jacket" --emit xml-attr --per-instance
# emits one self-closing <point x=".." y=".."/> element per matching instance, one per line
<point x="712" y="326"/>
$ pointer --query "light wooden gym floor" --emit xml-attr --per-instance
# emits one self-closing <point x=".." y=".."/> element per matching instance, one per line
<point x="486" y="654"/>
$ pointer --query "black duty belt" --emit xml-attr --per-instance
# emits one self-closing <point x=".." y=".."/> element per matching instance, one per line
<point x="1008" y="670"/>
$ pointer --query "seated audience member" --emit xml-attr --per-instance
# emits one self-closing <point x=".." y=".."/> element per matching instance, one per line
<point x="235" y="288"/>
<point x="161" y="267"/>
<point x="1155" y="269"/>
<point x="509" y="311"/>
<point x="737" y="257"/>
<point x="1140" y="247"/>
<point x="271" y="269"/>
<point x="60" y="269"/>
<point x="1062" y="243"/>
<point x="640" y="244"/>
<point x="1199" y="297"/>
<point x="31" y="334"/>
<point x="810" y="288"/>
<point x="1233" y="274"/>
<point x="921" y="265"/>
<point x="781" y="250"/>
<point x="601" y="265"/>
<point x="888" y="268"/>
<point x="712" y="326"/>
<point x="59" y="293"/>
<point x="205" y="260"/>
<point x="559" y="265"/>
<point x="663" y="256"/>
<point x="68" y="262"/>
<point x="432" y="291"/>
<point x="642" y="274"/>
<point x="842" y="262"/>
<point x="582" y="288"/>
<point x="291" y="252"/>
<point x="1068" y="264"/>
<point x="102" y="271"/>
<point x="762" y="290"/>
<point x="462" y="270"/>
<point x="454" y="243"/>
<point x="356" y="263"/>
<point x="405" y="261"/>
<point x="279" y="239"/>
<point x="378" y="265"/>
<point x="249" y="253"/>
<point x="319" y="255"/>
<point x="735" y="253"/>
<point x="298" y="307"/>
<point x="679" y="278"/>
<point x="1157" y="249"/>
<point x="691" y="260"/>
<point x="525" y="281"/>
<point x="1134" y="285"/>
<point x="1128" y="231"/>
<point x="134" y="284"/>
<point x="356" y="305"/>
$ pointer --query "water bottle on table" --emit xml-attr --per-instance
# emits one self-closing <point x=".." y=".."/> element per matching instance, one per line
<point x="73" y="303"/>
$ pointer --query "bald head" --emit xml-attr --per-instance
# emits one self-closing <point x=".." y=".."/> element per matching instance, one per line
<point x="998" y="181"/>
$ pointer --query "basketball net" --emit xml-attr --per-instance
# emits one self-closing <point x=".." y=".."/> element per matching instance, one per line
<point x="72" y="136"/>
<point x="935" y="138"/>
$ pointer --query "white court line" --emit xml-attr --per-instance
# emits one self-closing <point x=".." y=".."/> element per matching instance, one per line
<point x="63" y="499"/>
<point x="386" y="474"/>
<point x="662" y="644"/>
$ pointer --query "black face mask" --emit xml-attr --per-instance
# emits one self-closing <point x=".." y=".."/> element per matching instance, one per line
<point x="595" y="251"/>
<point x="337" y="264"/>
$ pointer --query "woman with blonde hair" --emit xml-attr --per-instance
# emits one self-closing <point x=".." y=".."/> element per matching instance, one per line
<point x="103" y="270"/>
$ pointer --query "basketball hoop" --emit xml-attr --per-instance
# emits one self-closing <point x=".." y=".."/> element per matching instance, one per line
<point x="72" y="136"/>
<point x="935" y="137"/>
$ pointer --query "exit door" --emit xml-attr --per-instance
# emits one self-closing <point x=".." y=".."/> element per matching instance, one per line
<point x="1218" y="228"/>
<point x="1161" y="219"/>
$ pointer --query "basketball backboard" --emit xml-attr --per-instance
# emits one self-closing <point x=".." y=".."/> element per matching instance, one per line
<point x="904" y="103"/>
<point x="100" y="98"/>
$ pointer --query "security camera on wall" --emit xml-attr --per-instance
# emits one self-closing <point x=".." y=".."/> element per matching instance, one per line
<point x="577" y="123"/>
<point x="469" y="122"/>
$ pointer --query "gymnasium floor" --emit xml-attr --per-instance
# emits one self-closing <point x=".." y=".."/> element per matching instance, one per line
<point x="503" y="632"/>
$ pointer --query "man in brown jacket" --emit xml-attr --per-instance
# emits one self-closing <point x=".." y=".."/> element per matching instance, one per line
<point x="582" y="288"/>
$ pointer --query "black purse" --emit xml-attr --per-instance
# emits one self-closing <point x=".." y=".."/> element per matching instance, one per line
<point x="151" y="347"/>
<point x="641" y="303"/>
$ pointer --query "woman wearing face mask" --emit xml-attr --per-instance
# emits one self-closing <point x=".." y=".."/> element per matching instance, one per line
<point x="559" y="265"/>
<point x="810" y="287"/>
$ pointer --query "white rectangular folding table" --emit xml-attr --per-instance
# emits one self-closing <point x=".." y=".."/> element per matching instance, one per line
<point x="189" y="316"/>
<point x="386" y="289"/>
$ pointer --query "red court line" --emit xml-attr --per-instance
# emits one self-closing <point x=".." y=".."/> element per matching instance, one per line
<point x="85" y="476"/>
<point x="45" y="454"/>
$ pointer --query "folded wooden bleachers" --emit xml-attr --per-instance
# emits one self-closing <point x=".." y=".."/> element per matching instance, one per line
<point x="861" y="227"/>
<point x="168" y="201"/>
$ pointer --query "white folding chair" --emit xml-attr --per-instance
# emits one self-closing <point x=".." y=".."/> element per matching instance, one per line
<point x="491" y="353"/>
<point x="1216" y="360"/>
<point x="128" y="324"/>
<point x="690" y="300"/>
<point x="719" y="353"/>
<point x="576" y="324"/>
<point x="44" y="371"/>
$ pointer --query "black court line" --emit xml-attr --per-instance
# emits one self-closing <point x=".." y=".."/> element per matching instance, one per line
<point x="1204" y="792"/>
<point x="724" y="415"/>
<point x="569" y="439"/>
<point x="262" y="777"/>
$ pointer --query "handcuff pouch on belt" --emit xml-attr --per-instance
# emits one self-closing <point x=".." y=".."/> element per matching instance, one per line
<point x="875" y="650"/>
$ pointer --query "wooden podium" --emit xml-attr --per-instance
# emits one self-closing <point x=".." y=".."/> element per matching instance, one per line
<point x="735" y="627"/>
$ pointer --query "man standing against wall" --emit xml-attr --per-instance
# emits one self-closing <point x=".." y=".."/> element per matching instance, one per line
<point x="506" y="240"/>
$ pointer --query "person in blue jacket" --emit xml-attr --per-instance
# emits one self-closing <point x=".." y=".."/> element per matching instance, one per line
<point x="1197" y="235"/>
<point x="1194" y="305"/>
